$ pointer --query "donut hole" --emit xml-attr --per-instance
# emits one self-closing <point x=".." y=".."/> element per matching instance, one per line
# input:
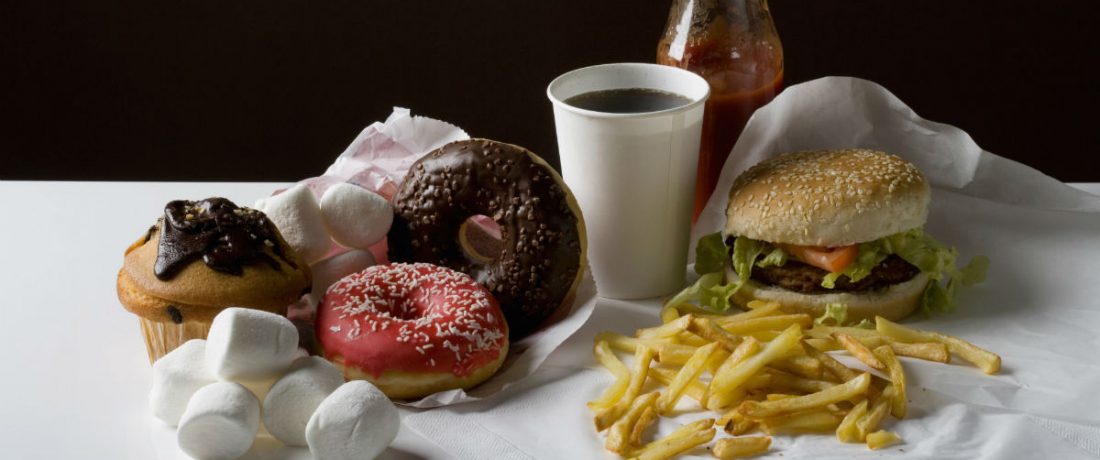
<point x="479" y="236"/>
<point x="405" y="309"/>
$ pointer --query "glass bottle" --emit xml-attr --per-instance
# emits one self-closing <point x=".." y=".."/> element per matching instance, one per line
<point x="734" y="45"/>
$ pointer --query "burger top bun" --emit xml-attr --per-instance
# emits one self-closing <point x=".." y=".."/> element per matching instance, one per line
<point x="827" y="198"/>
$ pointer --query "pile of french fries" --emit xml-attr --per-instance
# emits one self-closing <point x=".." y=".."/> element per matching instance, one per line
<point x="764" y="371"/>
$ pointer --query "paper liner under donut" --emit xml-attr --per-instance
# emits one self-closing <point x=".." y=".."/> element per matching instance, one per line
<point x="522" y="321"/>
<point x="412" y="385"/>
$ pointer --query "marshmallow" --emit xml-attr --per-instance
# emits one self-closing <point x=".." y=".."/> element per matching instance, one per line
<point x="357" y="421"/>
<point x="247" y="344"/>
<point x="291" y="401"/>
<point x="330" y="270"/>
<point x="354" y="216"/>
<point x="177" y="376"/>
<point x="297" y="215"/>
<point x="220" y="422"/>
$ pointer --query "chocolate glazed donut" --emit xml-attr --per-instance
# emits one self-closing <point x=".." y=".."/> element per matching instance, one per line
<point x="542" y="252"/>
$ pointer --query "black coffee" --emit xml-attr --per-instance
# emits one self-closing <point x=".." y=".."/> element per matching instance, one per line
<point x="628" y="100"/>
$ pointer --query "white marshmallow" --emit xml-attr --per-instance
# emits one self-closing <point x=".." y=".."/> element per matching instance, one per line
<point x="220" y="422"/>
<point x="357" y="421"/>
<point x="293" y="399"/>
<point x="355" y="217"/>
<point x="177" y="376"/>
<point x="297" y="215"/>
<point x="330" y="270"/>
<point x="247" y="344"/>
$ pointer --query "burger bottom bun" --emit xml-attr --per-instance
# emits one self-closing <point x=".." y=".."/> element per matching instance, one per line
<point x="893" y="303"/>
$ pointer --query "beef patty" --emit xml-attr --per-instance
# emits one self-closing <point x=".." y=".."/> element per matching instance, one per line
<point x="799" y="277"/>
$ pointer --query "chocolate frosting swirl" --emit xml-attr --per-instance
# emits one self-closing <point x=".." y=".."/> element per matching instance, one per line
<point x="225" y="236"/>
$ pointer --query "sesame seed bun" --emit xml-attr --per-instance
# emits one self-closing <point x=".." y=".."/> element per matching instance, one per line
<point x="827" y="198"/>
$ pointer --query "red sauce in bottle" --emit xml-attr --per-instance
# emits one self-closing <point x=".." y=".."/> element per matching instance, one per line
<point x="742" y="59"/>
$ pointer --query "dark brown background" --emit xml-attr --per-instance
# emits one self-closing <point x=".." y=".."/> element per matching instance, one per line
<point x="274" y="90"/>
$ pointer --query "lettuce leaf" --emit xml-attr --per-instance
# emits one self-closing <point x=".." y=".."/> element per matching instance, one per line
<point x="745" y="252"/>
<point x="711" y="254"/>
<point x="713" y="288"/>
<point x="870" y="255"/>
<point x="710" y="292"/>
<point x="933" y="258"/>
<point x="838" y="313"/>
<point x="939" y="262"/>
<point x="776" y="258"/>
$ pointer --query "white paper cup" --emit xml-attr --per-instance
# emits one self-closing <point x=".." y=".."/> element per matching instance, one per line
<point x="633" y="175"/>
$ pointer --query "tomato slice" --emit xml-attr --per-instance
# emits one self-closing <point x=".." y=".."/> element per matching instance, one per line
<point x="828" y="259"/>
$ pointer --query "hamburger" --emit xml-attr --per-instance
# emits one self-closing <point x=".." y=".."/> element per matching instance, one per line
<point x="833" y="233"/>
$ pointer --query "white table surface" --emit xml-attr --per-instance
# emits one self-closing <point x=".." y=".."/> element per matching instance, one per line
<point x="75" y="373"/>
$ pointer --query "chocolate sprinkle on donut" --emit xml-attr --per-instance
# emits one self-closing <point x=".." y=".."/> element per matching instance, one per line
<point x="541" y="250"/>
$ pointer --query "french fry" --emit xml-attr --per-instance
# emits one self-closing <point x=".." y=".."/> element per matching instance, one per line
<point x="824" y="331"/>
<point x="735" y="423"/>
<point x="740" y="426"/>
<point x="764" y="336"/>
<point x="747" y="446"/>
<point x="618" y="436"/>
<point x="685" y="438"/>
<point x="985" y="360"/>
<point x="716" y="359"/>
<point x="898" y="404"/>
<point x="804" y="366"/>
<point x="667" y="353"/>
<point x="668" y="329"/>
<point x="669" y="313"/>
<point x="607" y="359"/>
<point x="762" y="304"/>
<point x="841" y="372"/>
<point x="928" y="351"/>
<point x="728" y="379"/>
<point x="817" y="421"/>
<point x="847" y="431"/>
<point x="710" y="330"/>
<point x="643" y="356"/>
<point x="763" y="309"/>
<point x="823" y="344"/>
<point x="648" y="417"/>
<point x="747" y="348"/>
<point x="771" y="371"/>
<point x="882" y="438"/>
<point x="689" y="373"/>
<point x="857" y="349"/>
<point x="664" y="376"/>
<point x="848" y="390"/>
<point x="783" y="380"/>
<point x="767" y="323"/>
<point x="875" y="414"/>
<point x="688" y="338"/>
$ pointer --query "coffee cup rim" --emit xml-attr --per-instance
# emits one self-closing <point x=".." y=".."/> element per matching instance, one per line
<point x="697" y="88"/>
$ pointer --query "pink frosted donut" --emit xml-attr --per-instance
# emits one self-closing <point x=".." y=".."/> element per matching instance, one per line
<point x="412" y="329"/>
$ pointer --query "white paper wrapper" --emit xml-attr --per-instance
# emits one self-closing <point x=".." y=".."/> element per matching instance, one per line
<point x="378" y="160"/>
<point x="1039" y="307"/>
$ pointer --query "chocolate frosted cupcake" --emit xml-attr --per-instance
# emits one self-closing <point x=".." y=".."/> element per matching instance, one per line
<point x="200" y="258"/>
